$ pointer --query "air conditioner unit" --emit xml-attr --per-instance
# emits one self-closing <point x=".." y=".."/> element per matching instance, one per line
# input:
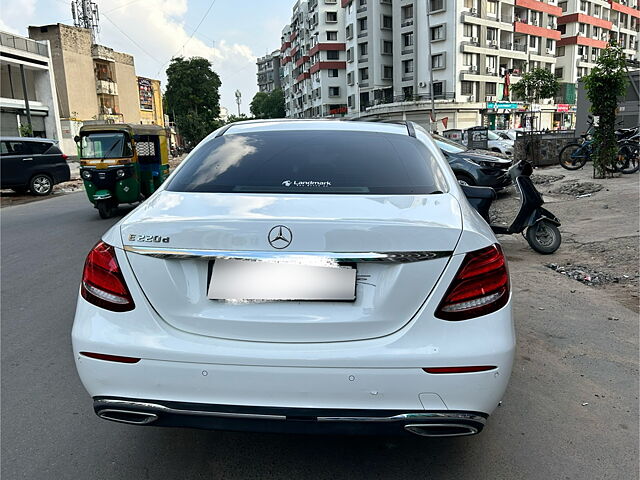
<point x="472" y="98"/>
<point x="473" y="68"/>
<point x="473" y="11"/>
<point x="474" y="40"/>
<point x="585" y="58"/>
<point x="422" y="84"/>
<point x="491" y="70"/>
<point x="493" y="43"/>
<point x="549" y="51"/>
<point x="490" y="98"/>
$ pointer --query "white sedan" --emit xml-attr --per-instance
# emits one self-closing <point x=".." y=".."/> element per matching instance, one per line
<point x="300" y="276"/>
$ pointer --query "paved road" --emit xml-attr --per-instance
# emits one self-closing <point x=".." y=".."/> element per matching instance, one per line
<point x="569" y="354"/>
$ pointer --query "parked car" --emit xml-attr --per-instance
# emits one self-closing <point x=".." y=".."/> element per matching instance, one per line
<point x="300" y="276"/>
<point x="496" y="143"/>
<point x="32" y="164"/>
<point x="509" y="134"/>
<point x="475" y="167"/>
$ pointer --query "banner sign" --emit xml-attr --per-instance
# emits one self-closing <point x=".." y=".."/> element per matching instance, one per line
<point x="502" y="105"/>
<point x="146" y="93"/>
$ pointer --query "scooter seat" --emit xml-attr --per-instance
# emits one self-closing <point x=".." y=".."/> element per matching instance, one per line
<point x="479" y="192"/>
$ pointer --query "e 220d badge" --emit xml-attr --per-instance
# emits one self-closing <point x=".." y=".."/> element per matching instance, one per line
<point x="148" y="238"/>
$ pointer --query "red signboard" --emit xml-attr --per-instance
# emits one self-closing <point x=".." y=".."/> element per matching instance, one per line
<point x="562" y="107"/>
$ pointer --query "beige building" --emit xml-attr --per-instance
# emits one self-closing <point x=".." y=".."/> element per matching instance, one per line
<point x="94" y="82"/>
<point x="150" y="94"/>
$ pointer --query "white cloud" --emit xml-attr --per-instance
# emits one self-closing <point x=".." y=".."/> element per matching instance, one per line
<point x="158" y="27"/>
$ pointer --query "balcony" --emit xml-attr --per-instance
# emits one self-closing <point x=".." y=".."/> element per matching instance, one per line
<point x="24" y="44"/>
<point x="106" y="87"/>
<point x="100" y="52"/>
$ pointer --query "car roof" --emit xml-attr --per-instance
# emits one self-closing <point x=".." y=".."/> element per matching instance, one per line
<point x="27" y="139"/>
<point x="400" y="128"/>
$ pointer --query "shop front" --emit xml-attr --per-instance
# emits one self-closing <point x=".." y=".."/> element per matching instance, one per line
<point x="500" y="115"/>
<point x="564" y="118"/>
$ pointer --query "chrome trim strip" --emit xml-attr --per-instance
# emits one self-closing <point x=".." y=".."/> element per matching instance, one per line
<point x="417" y="417"/>
<point x="355" y="257"/>
<point x="132" y="406"/>
<point x="408" y="417"/>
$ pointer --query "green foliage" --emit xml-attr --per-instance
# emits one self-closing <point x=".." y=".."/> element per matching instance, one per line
<point x="606" y="83"/>
<point x="536" y="85"/>
<point x="237" y="118"/>
<point x="192" y="98"/>
<point x="26" y="130"/>
<point x="268" y="105"/>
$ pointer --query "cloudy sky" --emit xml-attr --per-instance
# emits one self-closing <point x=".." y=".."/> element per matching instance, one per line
<point x="231" y="36"/>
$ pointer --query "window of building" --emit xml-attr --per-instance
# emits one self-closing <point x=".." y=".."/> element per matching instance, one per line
<point x="363" y="49"/>
<point x="491" y="88"/>
<point x="563" y="6"/>
<point x="492" y="8"/>
<point x="438" y="61"/>
<point x="350" y="78"/>
<point x="333" y="55"/>
<point x="332" y="36"/>
<point x="583" y="6"/>
<point x="407" y="12"/>
<point x="407" y="66"/>
<point x="469" y="30"/>
<point x="533" y="41"/>
<point x="582" y="28"/>
<point x="350" y="101"/>
<point x="492" y="34"/>
<point x="468" y="59"/>
<point x="387" y="47"/>
<point x="331" y="17"/>
<point x="407" y="40"/>
<point x="560" y="52"/>
<point x="492" y="64"/>
<point x="559" y="73"/>
<point x="362" y="3"/>
<point x="387" y="72"/>
<point x="333" y="72"/>
<point x="362" y="25"/>
<point x="334" y="91"/>
<point x="364" y="74"/>
<point x="550" y="44"/>
<point x="349" y="31"/>
<point x="350" y="55"/>
<point x="438" y="33"/>
<point x="387" y="22"/>
<point x="438" y="89"/>
<point x="437" y="5"/>
<point x="466" y="88"/>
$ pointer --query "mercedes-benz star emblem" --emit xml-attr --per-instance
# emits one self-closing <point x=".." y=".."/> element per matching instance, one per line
<point x="280" y="237"/>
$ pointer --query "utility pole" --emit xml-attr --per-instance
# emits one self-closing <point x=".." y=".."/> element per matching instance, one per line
<point x="432" y="120"/>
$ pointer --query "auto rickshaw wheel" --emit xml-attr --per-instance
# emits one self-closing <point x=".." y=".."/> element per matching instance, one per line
<point x="105" y="208"/>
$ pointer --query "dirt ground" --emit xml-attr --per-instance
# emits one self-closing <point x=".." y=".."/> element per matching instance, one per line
<point x="600" y="229"/>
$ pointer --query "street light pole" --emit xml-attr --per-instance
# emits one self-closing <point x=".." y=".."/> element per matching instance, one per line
<point x="238" y="100"/>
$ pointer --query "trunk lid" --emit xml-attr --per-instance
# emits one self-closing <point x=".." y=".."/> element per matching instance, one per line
<point x="201" y="225"/>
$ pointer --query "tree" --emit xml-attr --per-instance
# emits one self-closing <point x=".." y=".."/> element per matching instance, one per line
<point x="536" y="85"/>
<point x="268" y="105"/>
<point x="237" y="118"/>
<point x="606" y="83"/>
<point x="192" y="97"/>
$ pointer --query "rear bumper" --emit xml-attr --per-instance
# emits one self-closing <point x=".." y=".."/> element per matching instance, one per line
<point x="289" y="420"/>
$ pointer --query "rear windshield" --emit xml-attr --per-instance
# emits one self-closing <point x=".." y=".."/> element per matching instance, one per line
<point x="311" y="161"/>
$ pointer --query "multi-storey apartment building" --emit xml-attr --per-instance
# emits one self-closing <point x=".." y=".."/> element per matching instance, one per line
<point x="314" y="60"/>
<point x="407" y="58"/>
<point x="269" y="72"/>
<point x="369" y="38"/>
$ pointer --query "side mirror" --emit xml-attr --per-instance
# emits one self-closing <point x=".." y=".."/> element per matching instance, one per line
<point x="76" y="139"/>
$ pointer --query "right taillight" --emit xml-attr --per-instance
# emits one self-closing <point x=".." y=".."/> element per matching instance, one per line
<point x="481" y="286"/>
<point x="102" y="281"/>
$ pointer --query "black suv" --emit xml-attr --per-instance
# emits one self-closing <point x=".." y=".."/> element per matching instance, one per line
<point x="34" y="164"/>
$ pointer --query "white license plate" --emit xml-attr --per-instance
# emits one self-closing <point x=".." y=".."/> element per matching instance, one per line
<point x="233" y="279"/>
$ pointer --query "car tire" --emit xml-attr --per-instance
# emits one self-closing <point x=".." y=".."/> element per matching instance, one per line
<point x="41" y="185"/>
<point x="465" y="179"/>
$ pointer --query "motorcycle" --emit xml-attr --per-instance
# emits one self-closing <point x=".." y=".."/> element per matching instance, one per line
<point x="538" y="225"/>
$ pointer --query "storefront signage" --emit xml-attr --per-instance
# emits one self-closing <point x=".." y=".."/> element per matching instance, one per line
<point x="562" y="107"/>
<point x="502" y="105"/>
<point x="146" y="93"/>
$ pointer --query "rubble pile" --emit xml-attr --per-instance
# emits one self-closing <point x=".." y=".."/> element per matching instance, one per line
<point x="586" y="275"/>
<point x="538" y="179"/>
<point x="577" y="189"/>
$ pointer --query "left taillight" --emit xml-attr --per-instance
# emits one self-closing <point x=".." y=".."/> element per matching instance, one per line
<point x="102" y="282"/>
<point x="64" y="157"/>
<point x="480" y="287"/>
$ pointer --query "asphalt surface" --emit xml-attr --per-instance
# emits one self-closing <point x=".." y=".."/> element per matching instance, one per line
<point x="571" y="410"/>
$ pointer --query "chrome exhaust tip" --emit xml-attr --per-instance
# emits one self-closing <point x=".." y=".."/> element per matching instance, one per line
<point x="127" y="416"/>
<point x="441" y="429"/>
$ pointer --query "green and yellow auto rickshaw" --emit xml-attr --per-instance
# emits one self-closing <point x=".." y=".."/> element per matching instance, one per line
<point x="122" y="163"/>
